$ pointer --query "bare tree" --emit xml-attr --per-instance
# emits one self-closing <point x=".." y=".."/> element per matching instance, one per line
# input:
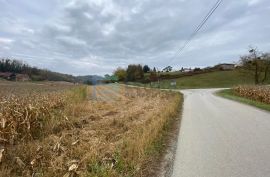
<point x="258" y="63"/>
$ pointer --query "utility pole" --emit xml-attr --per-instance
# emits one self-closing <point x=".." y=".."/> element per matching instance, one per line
<point x="158" y="74"/>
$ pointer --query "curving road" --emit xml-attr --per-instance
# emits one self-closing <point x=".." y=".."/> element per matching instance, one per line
<point x="221" y="138"/>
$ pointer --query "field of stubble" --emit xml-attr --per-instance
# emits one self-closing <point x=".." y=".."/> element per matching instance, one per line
<point x="61" y="129"/>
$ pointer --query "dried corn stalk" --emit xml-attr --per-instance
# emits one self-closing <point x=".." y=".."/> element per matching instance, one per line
<point x="258" y="93"/>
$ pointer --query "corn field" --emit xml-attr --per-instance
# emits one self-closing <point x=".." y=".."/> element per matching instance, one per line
<point x="24" y="117"/>
<point x="67" y="130"/>
<point x="258" y="93"/>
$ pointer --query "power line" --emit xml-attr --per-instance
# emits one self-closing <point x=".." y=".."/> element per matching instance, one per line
<point x="209" y="14"/>
<point x="202" y="23"/>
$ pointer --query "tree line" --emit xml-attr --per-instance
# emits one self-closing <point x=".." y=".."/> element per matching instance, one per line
<point x="135" y="73"/>
<point x="36" y="74"/>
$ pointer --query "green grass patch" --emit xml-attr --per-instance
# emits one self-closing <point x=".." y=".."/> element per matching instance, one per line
<point x="215" y="79"/>
<point x="230" y="94"/>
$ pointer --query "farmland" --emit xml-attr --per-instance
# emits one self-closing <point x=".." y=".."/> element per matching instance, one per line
<point x="257" y="93"/>
<point x="61" y="129"/>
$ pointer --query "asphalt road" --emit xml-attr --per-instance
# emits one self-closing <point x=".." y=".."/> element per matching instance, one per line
<point x="221" y="138"/>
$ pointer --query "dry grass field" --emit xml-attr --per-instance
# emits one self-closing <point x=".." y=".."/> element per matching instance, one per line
<point x="60" y="129"/>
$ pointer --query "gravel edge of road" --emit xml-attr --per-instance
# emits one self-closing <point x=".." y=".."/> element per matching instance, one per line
<point x="168" y="157"/>
<point x="167" y="161"/>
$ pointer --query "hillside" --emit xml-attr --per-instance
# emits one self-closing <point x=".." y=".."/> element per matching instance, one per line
<point x="15" y="70"/>
<point x="216" y="79"/>
<point x="90" y="79"/>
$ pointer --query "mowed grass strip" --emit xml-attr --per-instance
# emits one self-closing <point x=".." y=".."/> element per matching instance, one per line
<point x="85" y="137"/>
<point x="231" y="94"/>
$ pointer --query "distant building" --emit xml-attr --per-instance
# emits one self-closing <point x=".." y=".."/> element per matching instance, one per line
<point x="14" y="76"/>
<point x="22" y="77"/>
<point x="186" y="70"/>
<point x="7" y="75"/>
<point x="225" y="66"/>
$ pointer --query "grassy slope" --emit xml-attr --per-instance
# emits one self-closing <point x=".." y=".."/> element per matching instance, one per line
<point x="217" y="79"/>
<point x="228" y="93"/>
<point x="213" y="79"/>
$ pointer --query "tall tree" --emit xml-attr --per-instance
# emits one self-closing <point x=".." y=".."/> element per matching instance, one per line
<point x="146" y="69"/>
<point x="134" y="72"/>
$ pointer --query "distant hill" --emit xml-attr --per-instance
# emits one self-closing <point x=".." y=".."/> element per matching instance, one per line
<point x="13" y="70"/>
<point x="92" y="79"/>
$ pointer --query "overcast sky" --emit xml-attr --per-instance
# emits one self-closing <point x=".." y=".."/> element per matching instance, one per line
<point x="95" y="36"/>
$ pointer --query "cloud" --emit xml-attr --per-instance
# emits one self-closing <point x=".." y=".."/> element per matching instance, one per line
<point x="253" y="2"/>
<point x="6" y="41"/>
<point x="96" y="36"/>
<point x="71" y="40"/>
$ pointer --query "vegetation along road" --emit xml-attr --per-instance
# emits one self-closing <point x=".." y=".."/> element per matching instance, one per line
<point x="220" y="137"/>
